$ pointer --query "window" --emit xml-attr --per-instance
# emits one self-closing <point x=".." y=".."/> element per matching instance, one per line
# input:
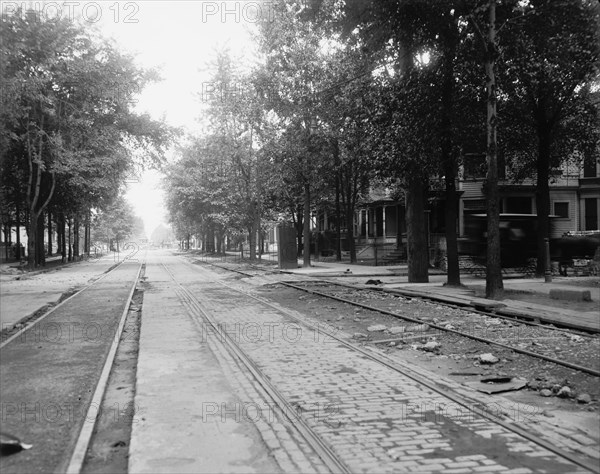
<point x="518" y="205"/>
<point x="561" y="209"/>
<point x="589" y="167"/>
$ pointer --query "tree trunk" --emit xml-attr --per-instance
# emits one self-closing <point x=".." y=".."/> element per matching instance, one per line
<point x="70" y="255"/>
<point x="299" y="224"/>
<point x="338" y="209"/>
<point x="76" y="225"/>
<point x="86" y="234"/>
<point x="49" y="234"/>
<point x="494" y="287"/>
<point x="449" y="164"/>
<point x="40" y="251"/>
<point x="63" y="240"/>
<point x="350" y="233"/>
<point x="542" y="197"/>
<point x="453" y="270"/>
<point x="31" y="240"/>
<point x="18" y="229"/>
<point x="306" y="233"/>
<point x="416" y="231"/>
<point x="252" y="242"/>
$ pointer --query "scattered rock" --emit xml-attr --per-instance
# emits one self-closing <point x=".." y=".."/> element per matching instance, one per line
<point x="417" y="328"/>
<point x="376" y="328"/>
<point x="584" y="398"/>
<point x="397" y="329"/>
<point x="576" y="338"/>
<point x="488" y="358"/>
<point x="392" y="344"/>
<point x="359" y="335"/>
<point x="431" y="346"/>
<point x="545" y="393"/>
<point x="449" y="326"/>
<point x="564" y="392"/>
<point x="533" y="385"/>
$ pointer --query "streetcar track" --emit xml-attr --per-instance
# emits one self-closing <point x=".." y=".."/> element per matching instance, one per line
<point x="84" y="438"/>
<point x="537" y="355"/>
<point x="322" y="449"/>
<point x="521" y="318"/>
<point x="411" y="295"/>
<point x="440" y="389"/>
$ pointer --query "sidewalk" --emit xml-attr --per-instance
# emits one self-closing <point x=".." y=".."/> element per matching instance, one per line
<point x="24" y="293"/>
<point x="584" y="316"/>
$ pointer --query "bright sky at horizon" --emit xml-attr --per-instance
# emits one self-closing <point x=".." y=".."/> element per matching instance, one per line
<point x="178" y="38"/>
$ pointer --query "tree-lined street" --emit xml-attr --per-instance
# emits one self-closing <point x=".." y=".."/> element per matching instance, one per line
<point x="300" y="236"/>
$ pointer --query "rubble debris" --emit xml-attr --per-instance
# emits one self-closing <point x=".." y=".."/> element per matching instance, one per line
<point x="545" y="393"/>
<point x="359" y="335"/>
<point x="431" y="346"/>
<point x="564" y="392"/>
<point x="397" y="329"/>
<point x="584" y="398"/>
<point x="417" y="327"/>
<point x="498" y="384"/>
<point x="488" y="358"/>
<point x="374" y="282"/>
<point x="576" y="338"/>
<point x="376" y="328"/>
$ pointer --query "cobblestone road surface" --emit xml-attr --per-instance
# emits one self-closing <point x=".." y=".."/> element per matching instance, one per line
<point x="375" y="419"/>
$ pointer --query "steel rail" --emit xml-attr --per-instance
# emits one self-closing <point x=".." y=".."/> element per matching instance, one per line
<point x="580" y="368"/>
<point x="519" y="317"/>
<point x="331" y="460"/>
<point x="93" y="413"/>
<point x="461" y="400"/>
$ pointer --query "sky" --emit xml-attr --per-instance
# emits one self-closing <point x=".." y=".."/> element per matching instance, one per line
<point x="178" y="37"/>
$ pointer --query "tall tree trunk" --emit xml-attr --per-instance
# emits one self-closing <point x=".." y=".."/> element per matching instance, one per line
<point x="338" y="209"/>
<point x="58" y="234"/>
<point x="40" y="251"/>
<point x="252" y="242"/>
<point x="299" y="224"/>
<point x="453" y="269"/>
<point x="449" y="163"/>
<point x="86" y="234"/>
<point x="32" y="233"/>
<point x="18" y="230"/>
<point x="76" y="228"/>
<point x="494" y="287"/>
<point x="350" y="232"/>
<point x="49" y="234"/>
<point x="416" y="231"/>
<point x="306" y="233"/>
<point x="542" y="196"/>
<point x="63" y="240"/>
<point x="70" y="255"/>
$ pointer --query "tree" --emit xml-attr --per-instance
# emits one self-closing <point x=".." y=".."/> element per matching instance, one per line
<point x="551" y="58"/>
<point x="70" y="129"/>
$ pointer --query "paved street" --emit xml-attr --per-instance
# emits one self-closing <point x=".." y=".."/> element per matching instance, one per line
<point x="373" y="418"/>
<point x="206" y="402"/>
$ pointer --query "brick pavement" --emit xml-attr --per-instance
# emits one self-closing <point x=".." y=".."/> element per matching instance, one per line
<point x="374" y="418"/>
<point x="199" y="411"/>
